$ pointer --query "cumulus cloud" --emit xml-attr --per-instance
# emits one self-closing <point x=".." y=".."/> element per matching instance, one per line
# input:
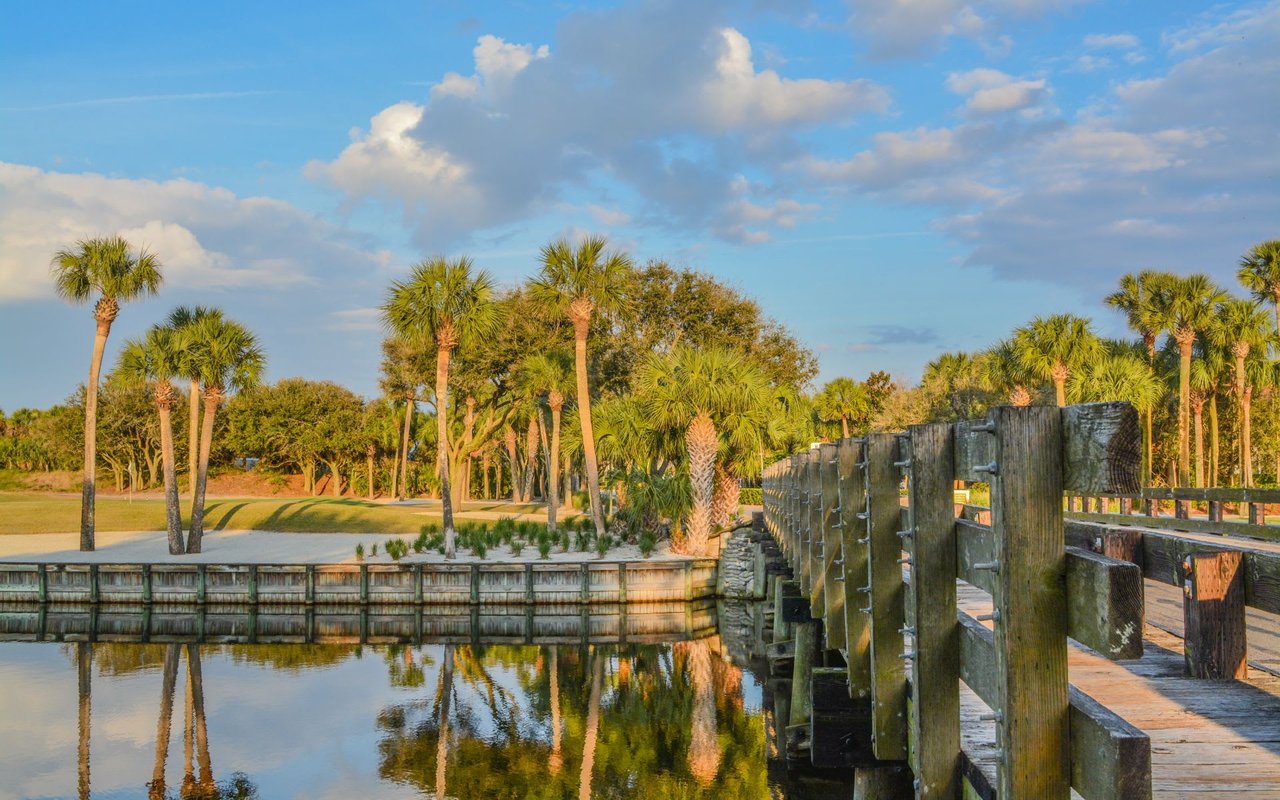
<point x="1111" y="41"/>
<point x="206" y="237"/>
<point x="902" y="28"/>
<point x="992" y="91"/>
<point x="662" y="97"/>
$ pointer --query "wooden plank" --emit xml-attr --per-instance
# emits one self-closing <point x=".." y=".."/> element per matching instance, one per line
<point x="1214" y="621"/>
<point x="1215" y="494"/>
<point x="1031" y="632"/>
<point x="1110" y="758"/>
<point x="975" y="544"/>
<point x="1266" y="533"/>
<point x="817" y="536"/>
<point x="804" y="524"/>
<point x="1104" y="604"/>
<point x="832" y="548"/>
<point x="935" y="669"/>
<point x="839" y="726"/>
<point x="888" y="669"/>
<point x="853" y="530"/>
<point x="801" y="698"/>
<point x="1099" y="447"/>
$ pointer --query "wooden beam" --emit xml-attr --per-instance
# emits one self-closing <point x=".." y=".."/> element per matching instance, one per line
<point x="1266" y="533"/>
<point x="1213" y="614"/>
<point x="1110" y="759"/>
<point x="934" y="711"/>
<point x="1100" y="449"/>
<point x="832" y="551"/>
<point x="888" y="669"/>
<point x="1105" y="604"/>
<point x="839" y="726"/>
<point x="853" y="533"/>
<point x="1030" y="597"/>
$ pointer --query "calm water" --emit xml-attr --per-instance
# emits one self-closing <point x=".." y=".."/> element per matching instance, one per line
<point x="676" y="719"/>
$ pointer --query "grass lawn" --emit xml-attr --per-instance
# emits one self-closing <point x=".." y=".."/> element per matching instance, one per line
<point x="25" y="512"/>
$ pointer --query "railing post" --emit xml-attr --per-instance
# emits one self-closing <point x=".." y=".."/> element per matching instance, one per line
<point x="934" y="710"/>
<point x="1030" y="633"/>
<point x="1214" y="615"/>
<point x="857" y="597"/>
<point x="830" y="599"/>
<point x="888" y="669"/>
<point x="811" y="533"/>
<point x="310" y="585"/>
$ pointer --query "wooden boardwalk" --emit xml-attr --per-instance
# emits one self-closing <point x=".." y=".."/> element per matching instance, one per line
<point x="1209" y="738"/>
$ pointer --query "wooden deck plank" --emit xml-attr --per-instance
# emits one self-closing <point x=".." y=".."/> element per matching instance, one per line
<point x="1208" y="738"/>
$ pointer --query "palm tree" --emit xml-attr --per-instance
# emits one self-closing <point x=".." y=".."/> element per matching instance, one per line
<point x="165" y="722"/>
<point x="156" y="358"/>
<point x="179" y="319"/>
<point x="551" y="373"/>
<point x="843" y="399"/>
<point x="1003" y="371"/>
<point x="84" y="684"/>
<point x="1139" y="298"/>
<point x="1186" y="307"/>
<point x="109" y="269"/>
<point x="1211" y="371"/>
<point x="444" y="304"/>
<point x="693" y="390"/>
<point x="224" y="355"/>
<point x="581" y="282"/>
<point x="1260" y="274"/>
<point x="1242" y="326"/>
<point x="1051" y="347"/>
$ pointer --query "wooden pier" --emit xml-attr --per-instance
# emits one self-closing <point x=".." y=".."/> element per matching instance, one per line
<point x="1021" y="650"/>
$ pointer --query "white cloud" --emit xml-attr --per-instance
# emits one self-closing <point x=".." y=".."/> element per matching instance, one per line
<point x="207" y="238"/>
<point x="992" y="91"/>
<point x="1111" y="41"/>
<point x="661" y="97"/>
<point x="609" y="216"/>
<point x="900" y="28"/>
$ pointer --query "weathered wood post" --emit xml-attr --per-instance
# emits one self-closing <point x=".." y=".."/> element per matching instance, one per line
<point x="853" y="529"/>
<point x="934" y="710"/>
<point x="830" y="596"/>
<point x="1214" y="615"/>
<point x="888" y="668"/>
<point x="1030" y="632"/>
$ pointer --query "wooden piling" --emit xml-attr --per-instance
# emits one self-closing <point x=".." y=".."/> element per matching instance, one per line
<point x="1213" y="613"/>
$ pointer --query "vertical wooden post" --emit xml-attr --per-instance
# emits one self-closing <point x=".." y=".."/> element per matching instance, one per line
<point x="364" y="585"/>
<point x="688" y="579"/>
<point x="1257" y="515"/>
<point x="832" y="597"/>
<point x="781" y="628"/>
<point x="529" y="596"/>
<point x="475" y="584"/>
<point x="94" y="586"/>
<point x="253" y="583"/>
<point x="310" y="590"/>
<point x="802" y="672"/>
<point x="934" y="710"/>
<point x="1215" y="511"/>
<point x="43" y="583"/>
<point x="888" y="669"/>
<point x="622" y="581"/>
<point x="1030" y="597"/>
<point x="853" y="540"/>
<point x="417" y="584"/>
<point x="1180" y="509"/>
<point x="202" y="583"/>
<point x="1213" y="613"/>
<point x="817" y="537"/>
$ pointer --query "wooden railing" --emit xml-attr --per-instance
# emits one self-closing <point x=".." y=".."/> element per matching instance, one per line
<point x="881" y="575"/>
<point x="1184" y="506"/>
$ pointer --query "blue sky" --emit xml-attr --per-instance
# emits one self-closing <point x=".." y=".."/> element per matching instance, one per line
<point x="889" y="178"/>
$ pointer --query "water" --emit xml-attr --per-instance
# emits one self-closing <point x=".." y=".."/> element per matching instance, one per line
<point x="682" y="717"/>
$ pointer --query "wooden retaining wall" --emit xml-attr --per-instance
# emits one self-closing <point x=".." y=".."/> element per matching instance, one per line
<point x="530" y="583"/>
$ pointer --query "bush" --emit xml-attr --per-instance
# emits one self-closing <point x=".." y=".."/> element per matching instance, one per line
<point x="647" y="542"/>
<point x="479" y="548"/>
<point x="360" y="552"/>
<point x="603" y="543"/>
<point x="397" y="549"/>
<point x="582" y="541"/>
<point x="751" y="497"/>
<point x="544" y="548"/>
<point x="517" y="546"/>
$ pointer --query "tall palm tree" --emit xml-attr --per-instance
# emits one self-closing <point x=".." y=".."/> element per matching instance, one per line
<point x="1242" y="326"/>
<point x="179" y="319"/>
<point x="1003" y="371"/>
<point x="442" y="303"/>
<point x="109" y="269"/>
<point x="1211" y="373"/>
<point x="693" y="390"/>
<point x="551" y="373"/>
<point x="1051" y="347"/>
<point x="164" y="724"/>
<point x="225" y="355"/>
<point x="1186" y="306"/>
<point x="156" y="358"/>
<point x="843" y="399"/>
<point x="1260" y="274"/>
<point x="581" y="282"/>
<point x="592" y="731"/>
<point x="1139" y="298"/>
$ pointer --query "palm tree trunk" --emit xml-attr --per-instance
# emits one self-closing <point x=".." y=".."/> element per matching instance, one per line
<point x="1149" y="464"/>
<point x="567" y="474"/>
<point x="724" y="502"/>
<point x="844" y="425"/>
<point x="84" y="670"/>
<point x="193" y="434"/>
<point x="212" y="395"/>
<point x="165" y="722"/>
<point x="1246" y="436"/>
<point x="1060" y="391"/>
<point x="553" y="463"/>
<point x="509" y="441"/>
<point x="593" y="729"/>
<point x="404" y="453"/>
<point x="557" y="758"/>
<point x="197" y="711"/>
<point x="588" y="432"/>
<point x="188" y="738"/>
<point x="704" y="745"/>
<point x="395" y="464"/>
<point x="89" y="489"/>
<point x="1215" y="454"/>
<point x="442" y="745"/>
<point x="442" y="449"/>
<point x="368" y="465"/>
<point x="530" y="456"/>
<point x="172" y="513"/>
<point x="1184" y="409"/>
<point x="700" y="441"/>
<point x="1198" y="409"/>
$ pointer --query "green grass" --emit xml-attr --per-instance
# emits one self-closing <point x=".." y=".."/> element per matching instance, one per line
<point x="34" y="513"/>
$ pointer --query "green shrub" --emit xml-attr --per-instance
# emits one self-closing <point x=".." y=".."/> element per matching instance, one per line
<point x="479" y="548"/>
<point x="517" y="546"/>
<point x="582" y="541"/>
<point x="647" y="542"/>
<point x="374" y="551"/>
<point x="397" y="549"/>
<point x="360" y="552"/>
<point x="544" y="548"/>
<point x="751" y="497"/>
<point x="603" y="543"/>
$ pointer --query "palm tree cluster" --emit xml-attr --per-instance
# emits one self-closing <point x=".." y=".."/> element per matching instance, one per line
<point x="1215" y="347"/>
<point x="200" y="345"/>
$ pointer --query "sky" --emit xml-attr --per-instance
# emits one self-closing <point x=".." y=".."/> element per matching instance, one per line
<point x="890" y="179"/>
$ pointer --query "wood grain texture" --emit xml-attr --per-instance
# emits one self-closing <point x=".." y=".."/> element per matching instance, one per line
<point x="1214" y="621"/>
<point x="1104" y="604"/>
<point x="888" y="669"/>
<point x="833" y="624"/>
<point x="853" y="502"/>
